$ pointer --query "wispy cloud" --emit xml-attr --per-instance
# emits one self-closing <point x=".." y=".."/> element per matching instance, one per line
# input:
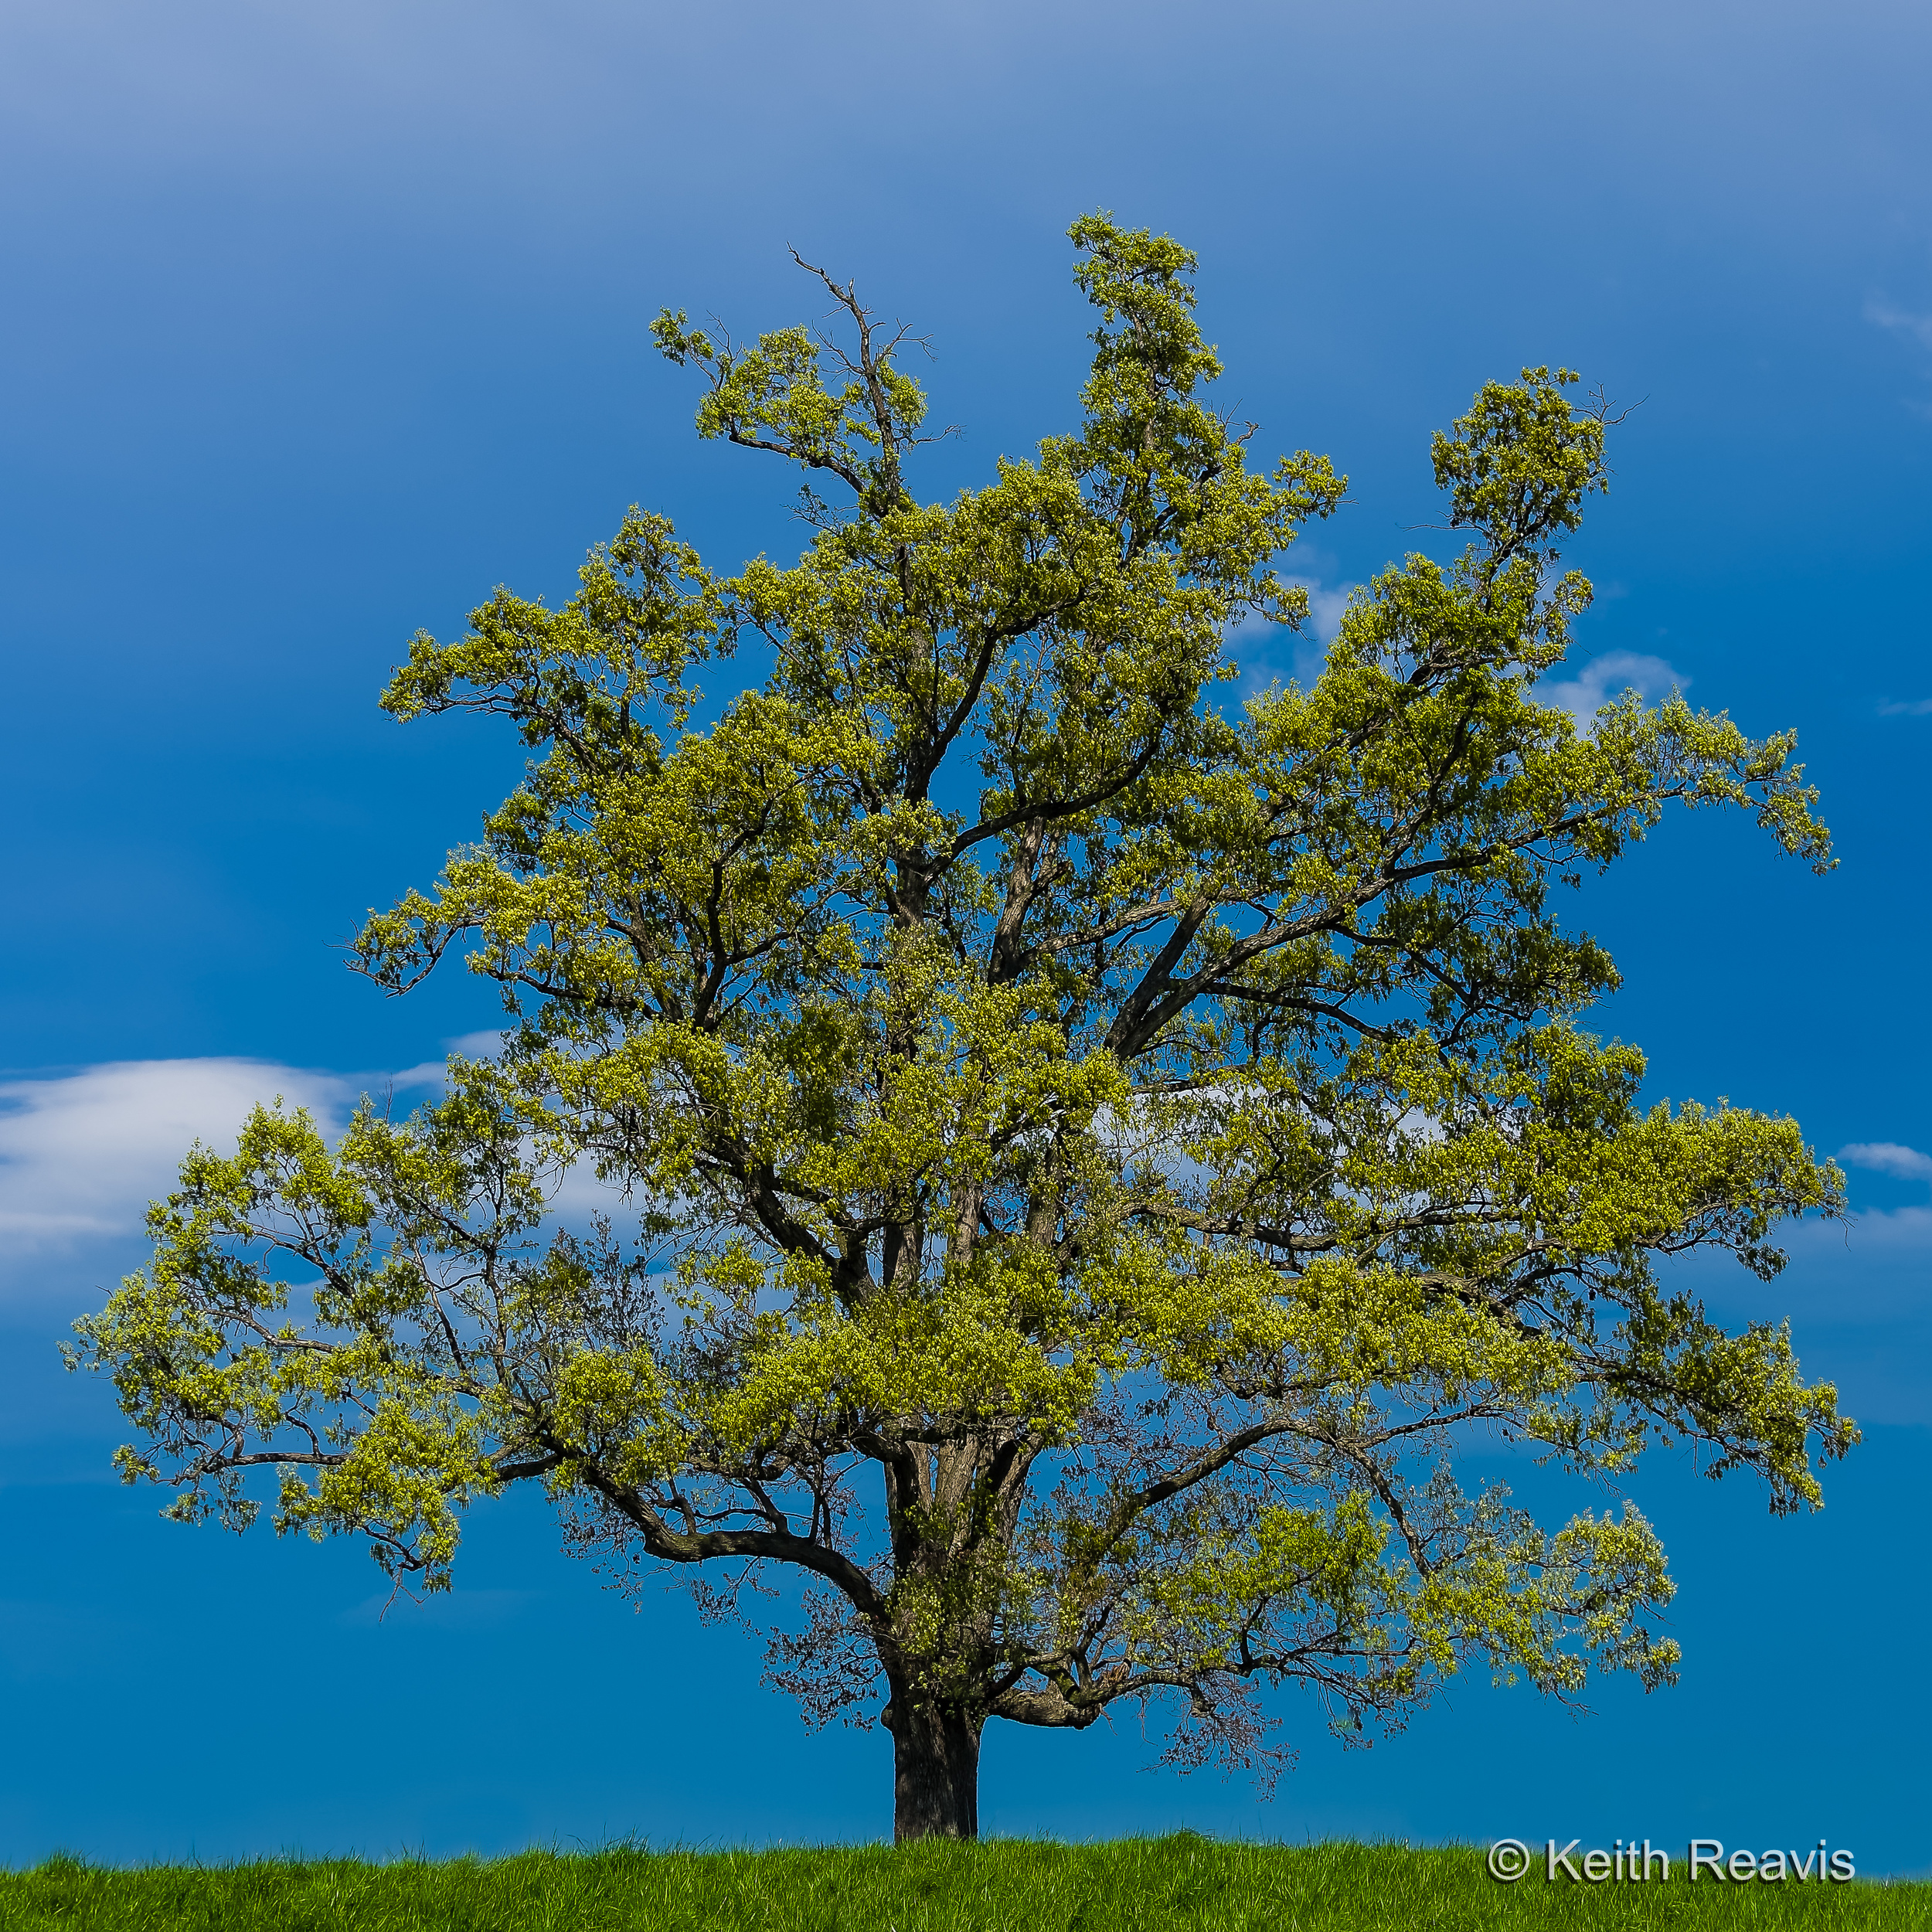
<point x="460" y="1609"/>
<point x="1905" y="1230"/>
<point x="1905" y="708"/>
<point x="1907" y="321"/>
<point x="1888" y="1157"/>
<point x="1326" y="604"/>
<point x="1603" y="678"/>
<point x="1267" y="652"/>
<point x="475" y="1045"/>
<point x="81" y="1154"/>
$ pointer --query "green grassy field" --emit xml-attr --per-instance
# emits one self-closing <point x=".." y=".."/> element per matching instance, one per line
<point x="1147" y="1885"/>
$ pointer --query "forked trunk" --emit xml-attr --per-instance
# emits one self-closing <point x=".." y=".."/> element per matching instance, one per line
<point x="935" y="1772"/>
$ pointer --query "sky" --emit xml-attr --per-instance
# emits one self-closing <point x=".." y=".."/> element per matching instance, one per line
<point x="317" y="324"/>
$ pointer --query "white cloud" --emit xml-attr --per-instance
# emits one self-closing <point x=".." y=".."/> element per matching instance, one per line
<point x="1894" y="1230"/>
<point x="1326" y="604"/>
<point x="1888" y="1157"/>
<point x="1867" y="1272"/>
<point x="1604" y="677"/>
<point x="82" y="1155"/>
<point x="1887" y="315"/>
<point x="476" y="1045"/>
<point x="1907" y="708"/>
<point x="1267" y="652"/>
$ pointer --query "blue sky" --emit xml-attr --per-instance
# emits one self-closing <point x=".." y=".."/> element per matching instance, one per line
<point x="319" y="323"/>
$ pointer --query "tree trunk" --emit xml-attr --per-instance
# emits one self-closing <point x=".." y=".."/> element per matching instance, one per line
<point x="935" y="1772"/>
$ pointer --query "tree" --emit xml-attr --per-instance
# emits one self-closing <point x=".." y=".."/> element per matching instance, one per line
<point x="1095" y="1153"/>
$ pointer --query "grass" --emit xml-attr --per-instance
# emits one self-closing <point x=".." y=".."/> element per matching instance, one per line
<point x="1134" y="1885"/>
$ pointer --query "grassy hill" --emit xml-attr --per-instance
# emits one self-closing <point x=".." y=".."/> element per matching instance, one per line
<point x="1143" y="1885"/>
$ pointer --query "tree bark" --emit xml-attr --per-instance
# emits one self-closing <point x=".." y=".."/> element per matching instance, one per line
<point x="935" y="1771"/>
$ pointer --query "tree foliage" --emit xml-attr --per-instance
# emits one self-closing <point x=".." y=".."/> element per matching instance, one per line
<point x="1094" y="1152"/>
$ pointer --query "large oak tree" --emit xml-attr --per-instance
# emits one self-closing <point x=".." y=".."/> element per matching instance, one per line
<point x="1096" y="1150"/>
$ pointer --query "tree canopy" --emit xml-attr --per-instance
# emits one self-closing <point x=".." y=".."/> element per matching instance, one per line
<point x="1095" y="1151"/>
